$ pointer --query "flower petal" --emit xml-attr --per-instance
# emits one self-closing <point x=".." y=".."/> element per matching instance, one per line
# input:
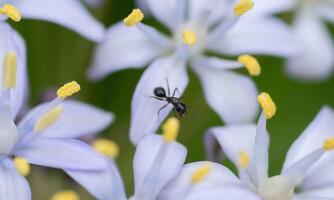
<point x="326" y="10"/>
<point x="78" y="119"/>
<point x="144" y="116"/>
<point x="103" y="184"/>
<point x="10" y="40"/>
<point x="321" y="128"/>
<point x="272" y="6"/>
<point x="220" y="182"/>
<point x="164" y="11"/>
<point x="231" y="95"/>
<point x="69" y="13"/>
<point x="61" y="153"/>
<point x="217" y="63"/>
<point x="258" y="35"/>
<point x="13" y="186"/>
<point x="155" y="164"/>
<point x="316" y="60"/>
<point x="235" y="138"/>
<point x="217" y="9"/>
<point x="123" y="47"/>
<point x="321" y="176"/>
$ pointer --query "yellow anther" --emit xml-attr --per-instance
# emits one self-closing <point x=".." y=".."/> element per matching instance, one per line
<point x="106" y="147"/>
<point x="243" y="159"/>
<point x="48" y="119"/>
<point x="251" y="64"/>
<point x="22" y="166"/>
<point x="12" y="12"/>
<point x="65" y="195"/>
<point x="68" y="89"/>
<point x="200" y="173"/>
<point x="171" y="129"/>
<point x="189" y="38"/>
<point x="9" y="70"/>
<point x="242" y="7"/>
<point x="135" y="17"/>
<point x="267" y="104"/>
<point x="329" y="144"/>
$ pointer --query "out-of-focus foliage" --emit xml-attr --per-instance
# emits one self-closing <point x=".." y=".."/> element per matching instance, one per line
<point x="57" y="55"/>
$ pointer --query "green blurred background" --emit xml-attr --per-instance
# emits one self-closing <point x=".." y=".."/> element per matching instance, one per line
<point x="57" y="55"/>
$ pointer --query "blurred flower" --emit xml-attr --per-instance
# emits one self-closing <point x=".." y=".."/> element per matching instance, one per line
<point x="197" y="27"/>
<point x="316" y="60"/>
<point x="68" y="13"/>
<point x="44" y="136"/>
<point x="158" y="159"/>
<point x="307" y="171"/>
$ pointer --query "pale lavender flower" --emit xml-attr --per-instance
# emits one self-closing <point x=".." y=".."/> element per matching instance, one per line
<point x="157" y="160"/>
<point x="196" y="26"/>
<point x="306" y="174"/>
<point x="315" y="60"/>
<point x="44" y="136"/>
<point x="68" y="13"/>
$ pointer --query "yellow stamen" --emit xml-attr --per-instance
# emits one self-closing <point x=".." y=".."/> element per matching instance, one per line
<point x="48" y="119"/>
<point x="135" y="17"/>
<point x="22" y="166"/>
<point x="65" y="195"/>
<point x="242" y="7"/>
<point x="106" y="147"/>
<point x="267" y="104"/>
<point x="189" y="38"/>
<point x="9" y="70"/>
<point x="329" y="144"/>
<point x="12" y="12"/>
<point x="200" y="173"/>
<point x="68" y="89"/>
<point x="243" y="159"/>
<point x="171" y="129"/>
<point x="251" y="64"/>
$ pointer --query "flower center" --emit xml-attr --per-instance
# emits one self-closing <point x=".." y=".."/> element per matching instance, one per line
<point x="276" y="188"/>
<point x="194" y="35"/>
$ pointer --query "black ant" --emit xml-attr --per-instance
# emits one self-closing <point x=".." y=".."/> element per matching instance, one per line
<point x="179" y="105"/>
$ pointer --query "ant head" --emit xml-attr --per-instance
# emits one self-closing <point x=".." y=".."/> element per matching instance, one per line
<point x="159" y="92"/>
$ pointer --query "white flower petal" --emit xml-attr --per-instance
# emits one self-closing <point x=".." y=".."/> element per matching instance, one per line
<point x="320" y="176"/>
<point x="69" y="13"/>
<point x="219" y="182"/>
<point x="78" y="119"/>
<point x="13" y="185"/>
<point x="60" y="153"/>
<point x="104" y="185"/>
<point x="321" y="194"/>
<point x="216" y="63"/>
<point x="321" y="128"/>
<point x="123" y="47"/>
<point x="234" y="139"/>
<point x="155" y="164"/>
<point x="144" y="116"/>
<point x="165" y="11"/>
<point x="259" y="161"/>
<point x="218" y="9"/>
<point x="10" y="40"/>
<point x="272" y="6"/>
<point x="298" y="171"/>
<point x="231" y="95"/>
<point x="326" y="10"/>
<point x="316" y="60"/>
<point x="258" y="35"/>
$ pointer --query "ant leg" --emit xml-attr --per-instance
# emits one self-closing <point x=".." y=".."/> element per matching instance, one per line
<point x="168" y="88"/>
<point x="162" y="108"/>
<point x="176" y="90"/>
<point x="160" y="99"/>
